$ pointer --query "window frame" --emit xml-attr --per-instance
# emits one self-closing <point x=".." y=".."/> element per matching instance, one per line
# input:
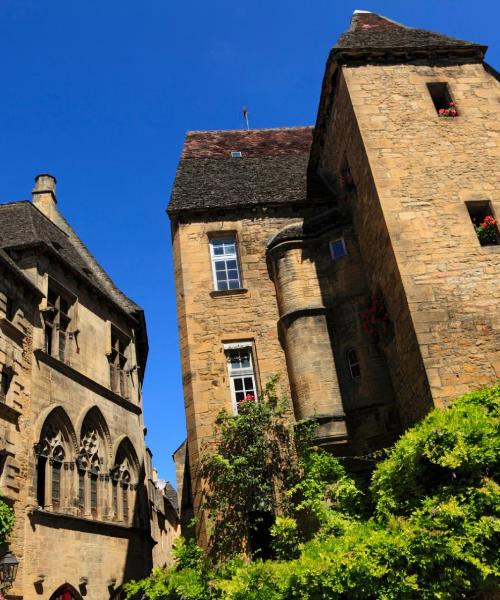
<point x="353" y="364"/>
<point x="242" y="373"/>
<point x="119" y="359"/>
<point x="230" y="236"/>
<point x="57" y="320"/>
<point x="344" y="246"/>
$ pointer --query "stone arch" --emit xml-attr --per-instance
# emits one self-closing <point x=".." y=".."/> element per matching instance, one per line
<point x="66" y="592"/>
<point x="56" y="411"/>
<point x="125" y="480"/>
<point x="55" y="454"/>
<point x="92" y="419"/>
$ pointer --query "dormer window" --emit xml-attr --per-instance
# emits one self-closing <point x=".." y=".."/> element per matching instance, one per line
<point x="56" y="323"/>
<point x="236" y="154"/>
<point x="118" y="362"/>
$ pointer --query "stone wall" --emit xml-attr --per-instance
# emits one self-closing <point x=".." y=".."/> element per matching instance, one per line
<point x="425" y="168"/>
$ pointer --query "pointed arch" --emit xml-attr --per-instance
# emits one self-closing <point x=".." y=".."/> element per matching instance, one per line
<point x="66" y="592"/>
<point x="54" y="450"/>
<point x="56" y="413"/>
<point x="125" y="475"/>
<point x="92" y="421"/>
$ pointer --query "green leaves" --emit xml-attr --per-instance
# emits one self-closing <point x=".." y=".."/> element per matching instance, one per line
<point x="433" y="531"/>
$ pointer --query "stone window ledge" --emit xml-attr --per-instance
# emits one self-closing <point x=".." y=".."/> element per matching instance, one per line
<point x="13" y="331"/>
<point x="9" y="413"/>
<point x="87" y="382"/>
<point x="77" y="522"/>
<point x="219" y="293"/>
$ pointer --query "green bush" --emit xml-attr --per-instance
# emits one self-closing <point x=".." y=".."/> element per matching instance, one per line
<point x="433" y="533"/>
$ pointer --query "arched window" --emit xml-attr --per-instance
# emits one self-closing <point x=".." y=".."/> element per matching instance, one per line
<point x="91" y="463"/>
<point x="52" y="451"/>
<point x="66" y="592"/>
<point x="125" y="476"/>
<point x="353" y="362"/>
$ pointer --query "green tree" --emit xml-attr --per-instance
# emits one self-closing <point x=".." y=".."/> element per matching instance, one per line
<point x="433" y="531"/>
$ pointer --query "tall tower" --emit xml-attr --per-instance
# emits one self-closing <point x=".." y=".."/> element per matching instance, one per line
<point x="407" y="130"/>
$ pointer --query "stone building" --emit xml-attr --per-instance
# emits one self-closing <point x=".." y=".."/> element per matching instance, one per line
<point x="73" y="351"/>
<point x="346" y="256"/>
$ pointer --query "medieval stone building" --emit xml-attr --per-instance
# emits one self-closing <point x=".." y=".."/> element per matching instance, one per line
<point x="74" y="465"/>
<point x="346" y="256"/>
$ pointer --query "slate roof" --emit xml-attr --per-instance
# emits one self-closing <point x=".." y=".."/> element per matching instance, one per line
<point x="273" y="169"/>
<point x="169" y="492"/>
<point x="22" y="225"/>
<point x="371" y="31"/>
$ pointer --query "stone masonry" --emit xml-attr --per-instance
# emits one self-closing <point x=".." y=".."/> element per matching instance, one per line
<point x="362" y="280"/>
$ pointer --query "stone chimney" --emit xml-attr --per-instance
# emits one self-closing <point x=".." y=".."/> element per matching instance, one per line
<point x="44" y="195"/>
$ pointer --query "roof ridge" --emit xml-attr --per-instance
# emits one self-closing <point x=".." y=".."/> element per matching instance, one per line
<point x="249" y="130"/>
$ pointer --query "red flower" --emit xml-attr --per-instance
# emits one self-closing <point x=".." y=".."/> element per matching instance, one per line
<point x="249" y="397"/>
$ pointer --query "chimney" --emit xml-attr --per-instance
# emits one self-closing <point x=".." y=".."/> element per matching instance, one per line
<point x="44" y="195"/>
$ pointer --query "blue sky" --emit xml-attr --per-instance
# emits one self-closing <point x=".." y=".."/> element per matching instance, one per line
<point x="101" y="93"/>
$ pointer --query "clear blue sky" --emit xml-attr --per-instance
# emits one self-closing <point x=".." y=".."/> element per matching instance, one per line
<point x="100" y="93"/>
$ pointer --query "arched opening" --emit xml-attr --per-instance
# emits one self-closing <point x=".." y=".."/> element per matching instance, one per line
<point x="125" y="481"/>
<point x="66" y="592"/>
<point x="53" y="484"/>
<point x="92" y="463"/>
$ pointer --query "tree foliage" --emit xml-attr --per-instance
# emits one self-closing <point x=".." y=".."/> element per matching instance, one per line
<point x="6" y="521"/>
<point x="433" y="530"/>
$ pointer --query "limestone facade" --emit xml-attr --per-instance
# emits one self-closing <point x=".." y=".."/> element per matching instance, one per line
<point x="361" y="278"/>
<point x="76" y="457"/>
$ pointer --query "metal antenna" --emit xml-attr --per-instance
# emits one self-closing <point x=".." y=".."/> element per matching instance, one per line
<point x="245" y="117"/>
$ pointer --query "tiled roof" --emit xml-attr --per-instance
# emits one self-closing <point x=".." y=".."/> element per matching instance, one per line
<point x="273" y="169"/>
<point x="371" y="31"/>
<point x="22" y="224"/>
<point x="252" y="143"/>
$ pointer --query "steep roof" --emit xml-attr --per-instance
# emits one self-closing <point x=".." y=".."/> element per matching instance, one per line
<point x="272" y="169"/>
<point x="369" y="31"/>
<point x="22" y="224"/>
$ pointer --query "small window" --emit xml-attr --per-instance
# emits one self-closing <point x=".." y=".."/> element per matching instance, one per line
<point x="353" y="362"/>
<point x="241" y="376"/>
<point x="338" y="249"/>
<point x="56" y="324"/>
<point x="81" y="490"/>
<point x="236" y="154"/>
<point x="10" y="309"/>
<point x="6" y="379"/>
<point x="225" y="264"/>
<point x="485" y="224"/>
<point x="56" y="484"/>
<point x="443" y="102"/>
<point x="117" y="363"/>
<point x="93" y="495"/>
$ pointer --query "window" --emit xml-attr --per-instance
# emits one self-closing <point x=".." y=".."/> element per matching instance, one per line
<point x="56" y="324"/>
<point x="485" y="224"/>
<point x="338" y="249"/>
<point x="10" y="309"/>
<point x="117" y="363"/>
<point x="115" y="498"/>
<point x="236" y="154"/>
<point x="81" y="490"/>
<point x="441" y="97"/>
<point x="241" y="375"/>
<point x="56" y="484"/>
<point x="6" y="379"/>
<point x="353" y="362"/>
<point x="225" y="268"/>
<point x="93" y="495"/>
